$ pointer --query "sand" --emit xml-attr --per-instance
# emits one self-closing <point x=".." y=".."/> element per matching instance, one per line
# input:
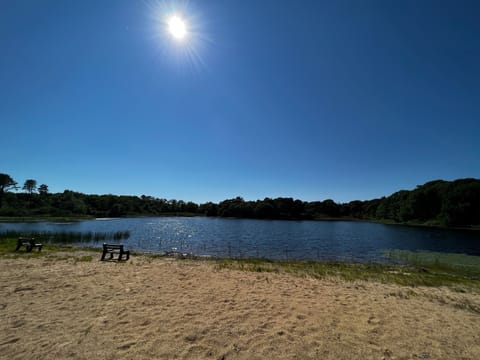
<point x="173" y="309"/>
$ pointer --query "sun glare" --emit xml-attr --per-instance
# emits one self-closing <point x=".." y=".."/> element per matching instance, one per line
<point x="179" y="32"/>
<point x="177" y="28"/>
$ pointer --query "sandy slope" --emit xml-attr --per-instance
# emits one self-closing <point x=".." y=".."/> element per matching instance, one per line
<point x="167" y="309"/>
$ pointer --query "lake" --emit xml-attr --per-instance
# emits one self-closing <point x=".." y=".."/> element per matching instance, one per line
<point x="271" y="239"/>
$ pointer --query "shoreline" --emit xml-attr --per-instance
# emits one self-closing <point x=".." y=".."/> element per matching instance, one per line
<point x="403" y="268"/>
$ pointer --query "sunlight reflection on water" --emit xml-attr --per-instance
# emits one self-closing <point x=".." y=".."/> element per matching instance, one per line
<point x="272" y="239"/>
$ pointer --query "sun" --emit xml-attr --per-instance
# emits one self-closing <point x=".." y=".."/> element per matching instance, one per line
<point x="179" y="33"/>
<point x="177" y="27"/>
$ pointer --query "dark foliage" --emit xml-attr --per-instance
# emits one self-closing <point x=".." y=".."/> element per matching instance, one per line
<point x="446" y="203"/>
<point x="6" y="183"/>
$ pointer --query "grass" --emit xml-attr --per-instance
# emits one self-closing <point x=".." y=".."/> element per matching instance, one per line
<point x="8" y="245"/>
<point x="405" y="275"/>
<point x="465" y="265"/>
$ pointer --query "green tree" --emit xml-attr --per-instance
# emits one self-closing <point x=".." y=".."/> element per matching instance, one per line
<point x="6" y="183"/>
<point x="265" y="210"/>
<point x="117" y="210"/>
<point x="43" y="189"/>
<point x="30" y="186"/>
<point x="208" y="209"/>
<point x="71" y="203"/>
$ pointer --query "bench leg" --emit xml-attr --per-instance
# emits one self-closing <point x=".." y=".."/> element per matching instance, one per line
<point x="103" y="256"/>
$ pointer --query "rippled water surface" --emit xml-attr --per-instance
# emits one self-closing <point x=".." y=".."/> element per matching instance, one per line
<point x="317" y="240"/>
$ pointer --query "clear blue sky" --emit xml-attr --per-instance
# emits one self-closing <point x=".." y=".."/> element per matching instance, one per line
<point x="307" y="99"/>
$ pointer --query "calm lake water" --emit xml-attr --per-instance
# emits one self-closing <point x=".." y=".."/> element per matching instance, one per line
<point x="272" y="239"/>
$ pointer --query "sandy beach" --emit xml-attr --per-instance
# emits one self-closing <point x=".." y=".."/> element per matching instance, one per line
<point x="54" y="308"/>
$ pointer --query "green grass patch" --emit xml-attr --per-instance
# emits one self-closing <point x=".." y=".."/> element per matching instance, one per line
<point x="460" y="264"/>
<point x="405" y="275"/>
<point x="8" y="245"/>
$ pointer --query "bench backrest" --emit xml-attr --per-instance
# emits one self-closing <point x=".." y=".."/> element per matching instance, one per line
<point x="26" y="240"/>
<point x="112" y="247"/>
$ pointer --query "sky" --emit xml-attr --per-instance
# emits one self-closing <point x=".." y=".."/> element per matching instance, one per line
<point x="306" y="99"/>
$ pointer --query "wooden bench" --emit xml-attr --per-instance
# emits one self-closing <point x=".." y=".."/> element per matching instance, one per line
<point x="114" y="249"/>
<point x="29" y="244"/>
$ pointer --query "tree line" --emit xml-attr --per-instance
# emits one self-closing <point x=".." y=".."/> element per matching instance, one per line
<point x="445" y="203"/>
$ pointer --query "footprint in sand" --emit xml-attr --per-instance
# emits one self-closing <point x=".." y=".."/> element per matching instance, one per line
<point x="191" y="338"/>
<point x="11" y="341"/>
<point x="126" y="346"/>
<point x="23" y="288"/>
<point x="18" y="323"/>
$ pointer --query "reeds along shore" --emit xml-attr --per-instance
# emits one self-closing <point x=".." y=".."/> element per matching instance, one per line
<point x="66" y="237"/>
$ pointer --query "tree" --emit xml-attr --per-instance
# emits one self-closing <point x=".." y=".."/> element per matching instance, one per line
<point x="43" y="189"/>
<point x="30" y="186"/>
<point x="6" y="183"/>
<point x="208" y="209"/>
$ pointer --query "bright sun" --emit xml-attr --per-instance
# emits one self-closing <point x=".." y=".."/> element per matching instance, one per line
<point x="177" y="28"/>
